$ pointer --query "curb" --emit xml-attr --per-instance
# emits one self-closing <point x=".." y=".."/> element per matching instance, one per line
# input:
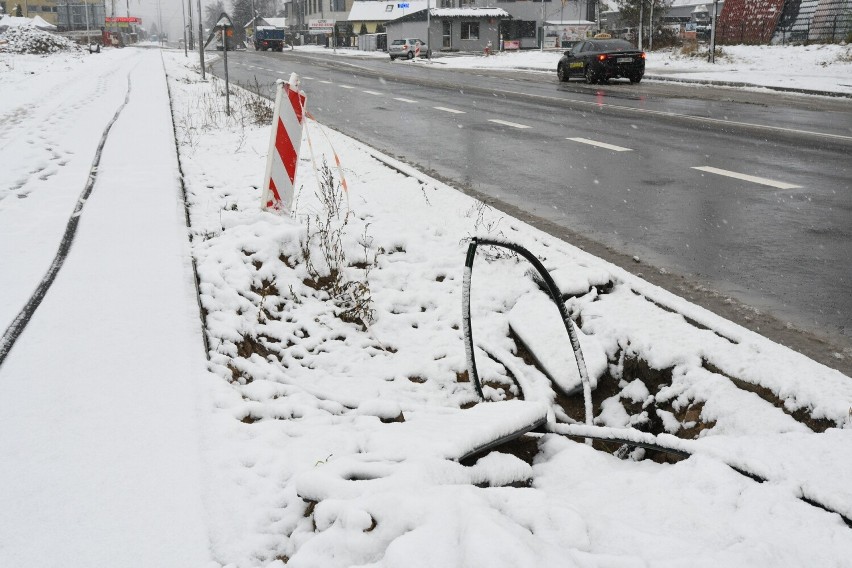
<point x="663" y="78"/>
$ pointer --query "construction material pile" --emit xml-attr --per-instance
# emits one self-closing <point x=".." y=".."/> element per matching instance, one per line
<point x="28" y="39"/>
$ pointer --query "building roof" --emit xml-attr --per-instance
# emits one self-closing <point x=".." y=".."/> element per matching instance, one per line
<point x="267" y="23"/>
<point x="277" y="22"/>
<point x="14" y="22"/>
<point x="469" y="13"/>
<point x="570" y="23"/>
<point x="372" y="11"/>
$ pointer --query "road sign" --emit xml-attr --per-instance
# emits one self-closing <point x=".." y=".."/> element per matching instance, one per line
<point x="283" y="157"/>
<point x="402" y="5"/>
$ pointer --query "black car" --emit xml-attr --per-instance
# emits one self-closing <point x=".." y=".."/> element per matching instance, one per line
<point x="599" y="60"/>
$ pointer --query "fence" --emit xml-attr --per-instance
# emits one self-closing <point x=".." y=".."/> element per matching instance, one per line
<point x="833" y="29"/>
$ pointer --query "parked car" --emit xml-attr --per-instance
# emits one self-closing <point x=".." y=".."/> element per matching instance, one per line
<point x="599" y="60"/>
<point x="407" y="47"/>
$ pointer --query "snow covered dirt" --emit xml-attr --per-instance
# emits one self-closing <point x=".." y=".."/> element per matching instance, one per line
<point x="326" y="427"/>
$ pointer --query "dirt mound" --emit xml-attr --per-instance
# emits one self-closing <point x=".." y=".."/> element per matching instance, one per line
<point x="27" y="39"/>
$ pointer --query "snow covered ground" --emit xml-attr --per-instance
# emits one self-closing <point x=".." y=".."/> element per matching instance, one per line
<point x="326" y="428"/>
<point x="809" y="67"/>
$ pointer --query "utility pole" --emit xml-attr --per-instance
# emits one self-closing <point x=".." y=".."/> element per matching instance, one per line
<point x="429" y="30"/>
<point x="201" y="41"/>
<point x="88" y="38"/>
<point x="541" y="40"/>
<point x="189" y="27"/>
<point x="713" y="32"/>
<point x="651" y="32"/>
<point x="253" y="22"/>
<point x="641" y="21"/>
<point x="183" y="14"/>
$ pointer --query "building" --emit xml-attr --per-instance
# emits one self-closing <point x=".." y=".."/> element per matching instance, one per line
<point x="524" y="26"/>
<point x="452" y="29"/>
<point x="46" y="9"/>
<point x="371" y="16"/>
<point x="299" y="14"/>
<point x="77" y="16"/>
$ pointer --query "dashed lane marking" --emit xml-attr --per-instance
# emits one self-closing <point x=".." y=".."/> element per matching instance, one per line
<point x="601" y="144"/>
<point x="372" y="93"/>
<point x="327" y="82"/>
<point x="507" y="123"/>
<point x="346" y="86"/>
<point x="452" y="110"/>
<point x="403" y="100"/>
<point x="746" y="177"/>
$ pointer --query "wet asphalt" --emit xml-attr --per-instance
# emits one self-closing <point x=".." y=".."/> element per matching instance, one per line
<point x="761" y="234"/>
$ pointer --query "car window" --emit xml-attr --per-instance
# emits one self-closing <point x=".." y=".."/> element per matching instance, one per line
<point x="398" y="42"/>
<point x="613" y="45"/>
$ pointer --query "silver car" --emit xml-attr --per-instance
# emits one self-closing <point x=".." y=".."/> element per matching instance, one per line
<point x="407" y="47"/>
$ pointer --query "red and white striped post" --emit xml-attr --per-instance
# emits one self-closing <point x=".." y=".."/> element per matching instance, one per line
<point x="283" y="157"/>
<point x="417" y="50"/>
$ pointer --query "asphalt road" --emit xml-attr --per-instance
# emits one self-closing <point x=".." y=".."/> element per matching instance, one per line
<point x="738" y="200"/>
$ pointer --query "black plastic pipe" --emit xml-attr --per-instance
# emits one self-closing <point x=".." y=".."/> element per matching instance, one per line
<point x="555" y="295"/>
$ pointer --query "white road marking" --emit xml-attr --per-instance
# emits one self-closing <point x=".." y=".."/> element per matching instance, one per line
<point x="346" y="87"/>
<point x="282" y="72"/>
<point x="746" y="177"/>
<point x="705" y="119"/>
<point x="403" y="100"/>
<point x="308" y="78"/>
<point x="507" y="123"/>
<point x="327" y="82"/>
<point x="601" y="144"/>
<point x="452" y="110"/>
<point x="372" y="92"/>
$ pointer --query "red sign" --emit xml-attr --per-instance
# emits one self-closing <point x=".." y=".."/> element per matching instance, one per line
<point x="512" y="44"/>
<point x="123" y="20"/>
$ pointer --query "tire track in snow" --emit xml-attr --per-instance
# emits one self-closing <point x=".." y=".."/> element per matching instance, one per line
<point x="16" y="328"/>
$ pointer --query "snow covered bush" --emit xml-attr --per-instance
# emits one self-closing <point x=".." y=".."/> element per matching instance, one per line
<point x="325" y="257"/>
<point x="27" y="39"/>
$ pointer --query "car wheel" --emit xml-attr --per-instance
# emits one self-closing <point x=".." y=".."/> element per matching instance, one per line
<point x="635" y="78"/>
<point x="562" y="73"/>
<point x="392" y="58"/>
<point x="410" y="55"/>
<point x="591" y="76"/>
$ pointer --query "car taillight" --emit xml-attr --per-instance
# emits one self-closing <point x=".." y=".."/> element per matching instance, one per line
<point x="601" y="57"/>
<point x="643" y="55"/>
<point x="405" y="46"/>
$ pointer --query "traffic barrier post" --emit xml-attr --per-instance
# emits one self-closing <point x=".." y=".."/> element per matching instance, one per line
<point x="284" y="143"/>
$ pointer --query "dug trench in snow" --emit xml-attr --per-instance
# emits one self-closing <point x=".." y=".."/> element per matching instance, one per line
<point x="623" y="436"/>
<point x="16" y="328"/>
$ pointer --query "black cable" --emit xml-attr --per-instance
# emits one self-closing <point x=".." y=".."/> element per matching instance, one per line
<point x="16" y="328"/>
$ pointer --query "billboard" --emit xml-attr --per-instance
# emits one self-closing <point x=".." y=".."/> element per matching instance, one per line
<point x="320" y="26"/>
